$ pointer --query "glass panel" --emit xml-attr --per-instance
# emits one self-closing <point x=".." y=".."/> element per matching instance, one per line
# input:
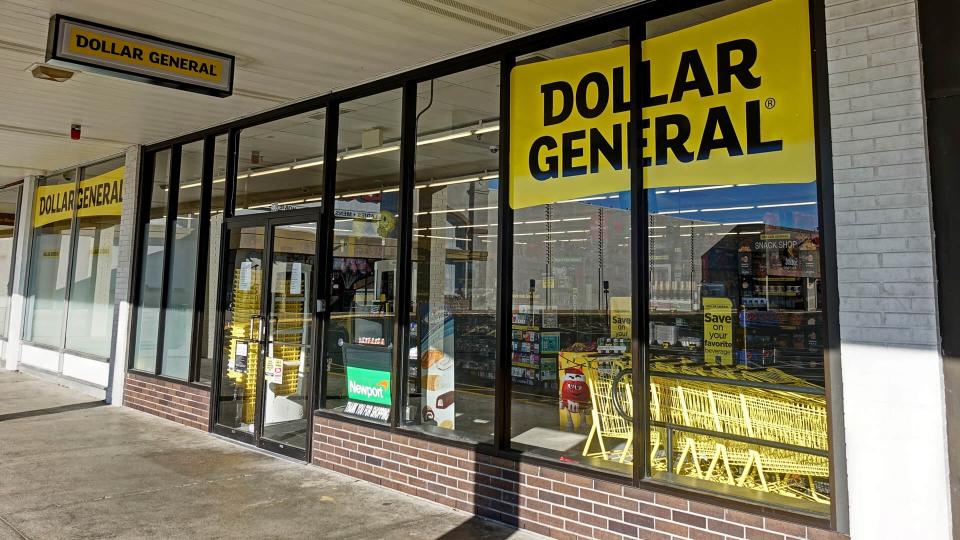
<point x="178" y="319"/>
<point x="359" y="337"/>
<point x="151" y="269"/>
<point x="49" y="259"/>
<point x="454" y="278"/>
<point x="289" y="348"/>
<point x="571" y="365"/>
<point x="281" y="164"/>
<point x="737" y="334"/>
<point x="9" y="205"/>
<point x="243" y="322"/>
<point x="207" y="340"/>
<point x="90" y="310"/>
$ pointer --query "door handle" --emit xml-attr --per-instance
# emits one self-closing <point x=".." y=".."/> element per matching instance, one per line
<point x="259" y="328"/>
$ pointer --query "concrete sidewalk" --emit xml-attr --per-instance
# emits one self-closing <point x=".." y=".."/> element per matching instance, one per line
<point x="72" y="468"/>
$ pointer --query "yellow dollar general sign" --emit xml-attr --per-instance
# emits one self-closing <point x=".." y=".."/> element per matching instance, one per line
<point x="718" y="331"/>
<point x="728" y="101"/>
<point x="98" y="196"/>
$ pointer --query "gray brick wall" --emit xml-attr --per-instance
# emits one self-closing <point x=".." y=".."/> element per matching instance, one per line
<point x="123" y="311"/>
<point x="882" y="196"/>
<point x="892" y="373"/>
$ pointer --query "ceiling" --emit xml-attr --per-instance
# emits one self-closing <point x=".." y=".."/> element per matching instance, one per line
<point x="285" y="49"/>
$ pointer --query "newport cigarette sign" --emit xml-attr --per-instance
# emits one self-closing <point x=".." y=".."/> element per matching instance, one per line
<point x="132" y="55"/>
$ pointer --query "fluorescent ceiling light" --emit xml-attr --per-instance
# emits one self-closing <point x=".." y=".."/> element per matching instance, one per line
<point x="269" y="171"/>
<point x="704" y="188"/>
<point x="455" y="181"/>
<point x="444" y="237"/>
<point x="351" y="154"/>
<point x="488" y="129"/>
<point x="727" y="209"/>
<point x="743" y="223"/>
<point x="786" y="204"/>
<point x="448" y="137"/>
<point x="490" y="177"/>
<point x="305" y="164"/>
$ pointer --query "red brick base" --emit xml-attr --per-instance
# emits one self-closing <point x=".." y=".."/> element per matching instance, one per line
<point x="544" y="500"/>
<point x="181" y="403"/>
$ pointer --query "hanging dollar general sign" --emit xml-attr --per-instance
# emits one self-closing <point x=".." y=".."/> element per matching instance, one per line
<point x="98" y="196"/>
<point x="728" y="101"/>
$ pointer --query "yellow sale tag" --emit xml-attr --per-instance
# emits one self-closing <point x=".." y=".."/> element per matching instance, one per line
<point x="728" y="101"/>
<point x="718" y="331"/>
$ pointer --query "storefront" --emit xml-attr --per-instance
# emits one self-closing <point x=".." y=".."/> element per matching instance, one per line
<point x="584" y="281"/>
<point x="360" y="259"/>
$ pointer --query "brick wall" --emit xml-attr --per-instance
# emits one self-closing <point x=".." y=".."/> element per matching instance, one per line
<point x="181" y="403"/>
<point x="544" y="500"/>
<point x="892" y="373"/>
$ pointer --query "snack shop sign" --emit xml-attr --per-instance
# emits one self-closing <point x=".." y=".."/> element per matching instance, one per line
<point x="728" y="101"/>
<point x="123" y="53"/>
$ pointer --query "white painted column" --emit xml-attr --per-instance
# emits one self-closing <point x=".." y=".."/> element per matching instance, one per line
<point x="123" y="323"/>
<point x="893" y="395"/>
<point x="22" y="262"/>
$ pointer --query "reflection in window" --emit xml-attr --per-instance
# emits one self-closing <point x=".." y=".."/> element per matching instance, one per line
<point x="572" y="289"/>
<point x="9" y="205"/>
<point x="90" y="310"/>
<point x="737" y="335"/>
<point x="208" y="347"/>
<point x="49" y="259"/>
<point x="452" y="356"/>
<point x="281" y="164"/>
<point x="359" y="335"/>
<point x="151" y="266"/>
<point x="178" y="316"/>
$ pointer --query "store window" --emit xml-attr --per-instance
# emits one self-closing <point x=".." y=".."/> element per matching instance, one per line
<point x="281" y="164"/>
<point x="571" y="365"/>
<point x="151" y="265"/>
<point x="9" y="207"/>
<point x="208" y="348"/>
<point x="736" y="294"/>
<point x="49" y="259"/>
<point x="452" y="358"/>
<point x="178" y="315"/>
<point x="360" y="333"/>
<point x="91" y="302"/>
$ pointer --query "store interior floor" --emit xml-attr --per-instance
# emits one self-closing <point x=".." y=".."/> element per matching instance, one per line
<point x="71" y="467"/>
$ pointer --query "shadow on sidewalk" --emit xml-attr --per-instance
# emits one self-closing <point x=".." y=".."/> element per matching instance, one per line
<point x="52" y="410"/>
<point x="477" y="528"/>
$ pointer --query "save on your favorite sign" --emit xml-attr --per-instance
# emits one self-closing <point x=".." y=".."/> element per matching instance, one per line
<point x="101" y="195"/>
<point x="127" y="54"/>
<point x="728" y="101"/>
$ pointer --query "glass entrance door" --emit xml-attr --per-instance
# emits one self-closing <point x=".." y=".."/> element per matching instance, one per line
<point x="266" y="368"/>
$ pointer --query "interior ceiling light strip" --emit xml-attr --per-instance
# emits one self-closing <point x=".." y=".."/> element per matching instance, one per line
<point x="810" y="203"/>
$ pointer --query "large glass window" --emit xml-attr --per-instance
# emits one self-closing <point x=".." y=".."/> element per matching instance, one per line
<point x="181" y="291"/>
<point x="735" y="310"/>
<point x="92" y="300"/>
<point x="151" y="266"/>
<point x="208" y="348"/>
<point x="49" y="259"/>
<point x="359" y="336"/>
<point x="452" y="358"/>
<point x="9" y="206"/>
<point x="570" y="364"/>
<point x="281" y="164"/>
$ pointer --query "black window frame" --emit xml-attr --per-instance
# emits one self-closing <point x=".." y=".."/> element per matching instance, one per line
<point x="633" y="17"/>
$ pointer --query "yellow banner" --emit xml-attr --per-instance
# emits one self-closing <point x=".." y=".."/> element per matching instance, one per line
<point x="98" y="196"/>
<point x="718" y="331"/>
<point x="727" y="101"/>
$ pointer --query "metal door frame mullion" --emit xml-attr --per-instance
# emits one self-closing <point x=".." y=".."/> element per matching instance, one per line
<point x="173" y="194"/>
<point x="202" y="258"/>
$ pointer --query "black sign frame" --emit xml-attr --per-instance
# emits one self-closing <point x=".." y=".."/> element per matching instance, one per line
<point x="54" y="39"/>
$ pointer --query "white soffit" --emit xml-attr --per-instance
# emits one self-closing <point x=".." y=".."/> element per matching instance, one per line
<point x="285" y="50"/>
